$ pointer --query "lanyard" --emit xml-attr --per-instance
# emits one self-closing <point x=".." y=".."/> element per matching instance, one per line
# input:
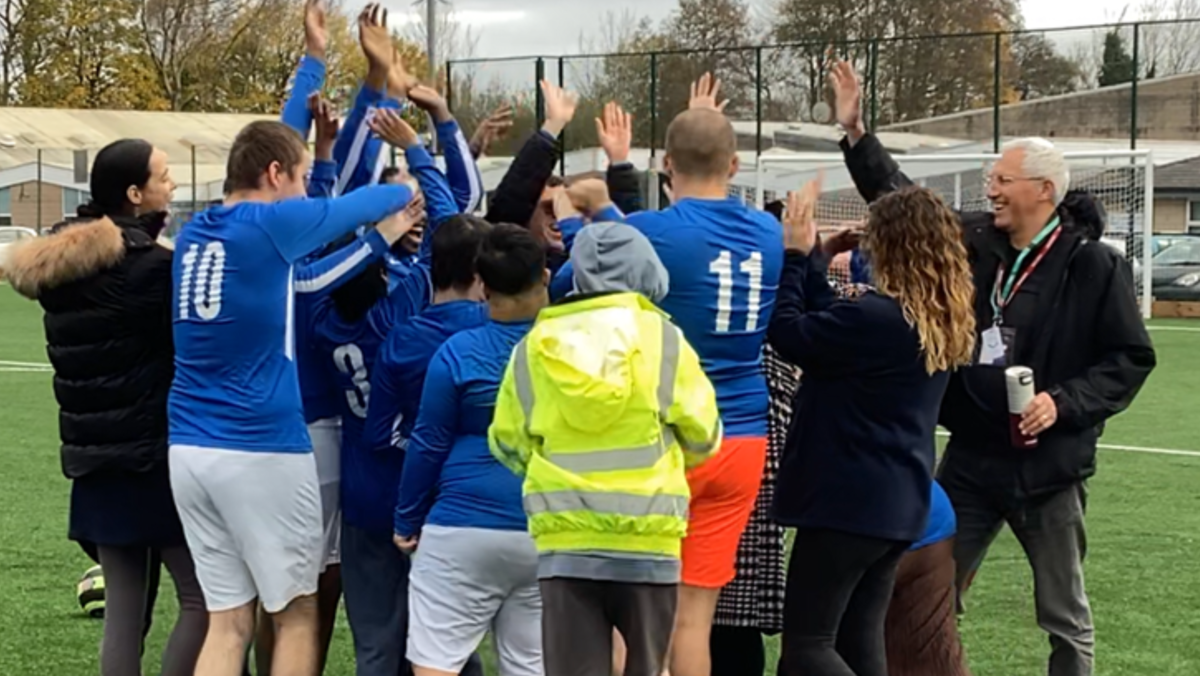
<point x="1003" y="295"/>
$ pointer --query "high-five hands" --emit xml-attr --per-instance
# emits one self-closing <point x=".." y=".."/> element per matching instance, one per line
<point x="615" y="130"/>
<point x="560" y="108"/>
<point x="800" y="218"/>
<point x="704" y="94"/>
<point x="316" y="39"/>
<point x="392" y="128"/>
<point x="375" y="40"/>
<point x="427" y="99"/>
<point x="847" y="94"/>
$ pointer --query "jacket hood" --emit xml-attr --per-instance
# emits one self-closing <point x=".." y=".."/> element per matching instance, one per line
<point x="72" y="252"/>
<point x="589" y="348"/>
<point x="609" y="257"/>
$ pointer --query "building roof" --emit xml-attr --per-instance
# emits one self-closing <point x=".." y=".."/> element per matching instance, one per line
<point x="1179" y="175"/>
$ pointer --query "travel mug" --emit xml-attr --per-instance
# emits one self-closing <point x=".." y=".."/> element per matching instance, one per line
<point x="1019" y="382"/>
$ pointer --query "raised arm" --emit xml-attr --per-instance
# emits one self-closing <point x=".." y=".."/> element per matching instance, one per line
<point x="300" y="226"/>
<point x="357" y="151"/>
<point x="432" y="439"/>
<point x="323" y="275"/>
<point x="309" y="77"/>
<point x="324" y="173"/>
<point x="873" y="170"/>
<point x="615" y="131"/>
<point x="462" y="175"/>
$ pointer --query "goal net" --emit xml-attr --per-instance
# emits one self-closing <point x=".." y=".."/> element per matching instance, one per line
<point x="1123" y="181"/>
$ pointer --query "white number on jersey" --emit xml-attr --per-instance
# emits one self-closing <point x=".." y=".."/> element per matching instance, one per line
<point x="752" y="267"/>
<point x="349" y="360"/>
<point x="201" y="285"/>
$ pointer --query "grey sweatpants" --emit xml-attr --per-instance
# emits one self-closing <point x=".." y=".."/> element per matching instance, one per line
<point x="1052" y="532"/>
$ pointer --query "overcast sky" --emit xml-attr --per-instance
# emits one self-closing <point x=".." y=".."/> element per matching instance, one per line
<point x="551" y="27"/>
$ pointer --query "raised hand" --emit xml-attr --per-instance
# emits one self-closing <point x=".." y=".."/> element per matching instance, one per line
<point x="494" y="127"/>
<point x="847" y="93"/>
<point x="845" y="240"/>
<point x="402" y="222"/>
<point x="400" y="81"/>
<point x="392" y="128"/>
<point x="563" y="206"/>
<point x="615" y="130"/>
<point x="325" y="120"/>
<point x="428" y="100"/>
<point x="560" y="107"/>
<point x="799" y="218"/>
<point x="374" y="38"/>
<point x="316" y="39"/>
<point x="589" y="195"/>
<point x="704" y="94"/>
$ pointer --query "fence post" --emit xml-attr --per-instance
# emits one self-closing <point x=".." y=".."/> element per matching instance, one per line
<point x="653" y="106"/>
<point x="1133" y="92"/>
<point x="449" y="86"/>
<point x="539" y="74"/>
<point x="562" y="138"/>
<point x="758" y="109"/>
<point x="996" y="95"/>
<point x="873" y="91"/>
<point x="39" y="191"/>
<point x="195" y="187"/>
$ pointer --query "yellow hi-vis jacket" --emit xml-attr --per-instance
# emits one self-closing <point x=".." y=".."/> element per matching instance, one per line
<point x="602" y="408"/>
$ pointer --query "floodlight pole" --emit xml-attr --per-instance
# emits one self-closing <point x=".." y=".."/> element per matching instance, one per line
<point x="431" y="52"/>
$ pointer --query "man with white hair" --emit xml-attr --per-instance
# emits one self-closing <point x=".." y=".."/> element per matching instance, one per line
<point x="1048" y="296"/>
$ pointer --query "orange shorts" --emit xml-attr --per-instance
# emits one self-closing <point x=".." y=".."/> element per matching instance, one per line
<point x="724" y="491"/>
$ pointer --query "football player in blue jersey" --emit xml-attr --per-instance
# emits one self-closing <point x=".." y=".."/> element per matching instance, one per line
<point x="242" y="468"/>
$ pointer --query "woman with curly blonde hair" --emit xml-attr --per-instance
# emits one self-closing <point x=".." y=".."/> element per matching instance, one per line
<point x="855" y="480"/>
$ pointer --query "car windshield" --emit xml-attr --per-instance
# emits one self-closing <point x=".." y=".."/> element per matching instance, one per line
<point x="1185" y="252"/>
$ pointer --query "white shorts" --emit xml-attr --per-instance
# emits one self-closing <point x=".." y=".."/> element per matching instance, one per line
<point x="465" y="581"/>
<point x="326" y="435"/>
<point x="253" y="524"/>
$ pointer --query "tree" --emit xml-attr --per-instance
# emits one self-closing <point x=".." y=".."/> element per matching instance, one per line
<point x="1170" y="48"/>
<point x="1116" y="66"/>
<point x="1042" y="71"/>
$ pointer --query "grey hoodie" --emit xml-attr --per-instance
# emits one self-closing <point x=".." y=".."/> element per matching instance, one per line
<point x="616" y="257"/>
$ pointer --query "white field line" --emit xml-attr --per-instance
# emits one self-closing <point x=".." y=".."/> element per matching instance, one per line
<point x="1131" y="449"/>
<point x="1186" y="329"/>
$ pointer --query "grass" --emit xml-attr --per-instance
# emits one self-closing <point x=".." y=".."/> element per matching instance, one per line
<point x="1143" y="522"/>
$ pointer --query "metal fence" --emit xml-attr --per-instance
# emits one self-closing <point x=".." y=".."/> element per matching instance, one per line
<point x="1118" y="82"/>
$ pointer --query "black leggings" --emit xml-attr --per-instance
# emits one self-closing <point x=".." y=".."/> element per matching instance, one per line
<point x="736" y="651"/>
<point x="838" y="589"/>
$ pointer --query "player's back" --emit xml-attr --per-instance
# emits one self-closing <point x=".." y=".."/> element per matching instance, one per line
<point x="724" y="260"/>
<point x="235" y="380"/>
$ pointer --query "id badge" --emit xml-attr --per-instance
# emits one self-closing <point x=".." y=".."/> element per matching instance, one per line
<point x="992" y="349"/>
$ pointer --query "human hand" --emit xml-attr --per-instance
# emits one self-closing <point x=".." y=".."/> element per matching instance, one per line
<point x="373" y="36"/>
<point x="316" y="39"/>
<point x="404" y="221"/>
<point x="845" y="240"/>
<point x="847" y="94"/>
<point x="392" y="128"/>
<point x="589" y="195"/>
<point x="615" y="130"/>
<point x="799" y="218"/>
<point x="562" y="204"/>
<point x="326" y="122"/>
<point x="406" y="545"/>
<point x="560" y="107"/>
<point x="494" y="127"/>
<point x="1039" y="416"/>
<point x="428" y="100"/>
<point x="400" y="81"/>
<point x="704" y="94"/>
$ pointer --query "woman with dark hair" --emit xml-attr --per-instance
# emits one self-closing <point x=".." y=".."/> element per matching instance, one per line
<point x="855" y="480"/>
<point x="104" y="283"/>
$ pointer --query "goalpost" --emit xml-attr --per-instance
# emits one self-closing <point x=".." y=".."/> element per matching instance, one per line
<point x="1122" y="180"/>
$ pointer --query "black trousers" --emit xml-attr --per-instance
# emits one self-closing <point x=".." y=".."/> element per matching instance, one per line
<point x="838" y="589"/>
<point x="578" y="618"/>
<point x="736" y="651"/>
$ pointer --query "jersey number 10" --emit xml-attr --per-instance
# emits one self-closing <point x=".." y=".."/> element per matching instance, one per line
<point x="200" y="285"/>
<point x="752" y="267"/>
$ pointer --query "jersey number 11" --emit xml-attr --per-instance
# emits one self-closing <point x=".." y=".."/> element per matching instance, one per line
<point x="752" y="267"/>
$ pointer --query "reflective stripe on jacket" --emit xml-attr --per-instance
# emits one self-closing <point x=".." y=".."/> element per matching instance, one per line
<point x="603" y="407"/>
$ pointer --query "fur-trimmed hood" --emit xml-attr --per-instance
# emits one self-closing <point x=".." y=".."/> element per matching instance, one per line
<point x="74" y="252"/>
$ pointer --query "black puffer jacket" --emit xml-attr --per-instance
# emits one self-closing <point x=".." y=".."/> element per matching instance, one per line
<point x="106" y="291"/>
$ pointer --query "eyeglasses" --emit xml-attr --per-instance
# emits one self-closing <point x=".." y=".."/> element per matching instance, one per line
<point x="1002" y="180"/>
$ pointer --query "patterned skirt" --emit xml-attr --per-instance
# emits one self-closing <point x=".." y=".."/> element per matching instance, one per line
<point x="755" y="597"/>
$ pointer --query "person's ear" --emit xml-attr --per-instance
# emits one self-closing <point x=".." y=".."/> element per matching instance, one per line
<point x="546" y="277"/>
<point x="274" y="175"/>
<point x="134" y="195"/>
<point x="667" y="164"/>
<point x="734" y="166"/>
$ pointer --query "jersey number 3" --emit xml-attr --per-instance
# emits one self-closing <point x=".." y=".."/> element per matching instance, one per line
<point x="349" y="360"/>
<point x="200" y="284"/>
<point x="752" y="267"/>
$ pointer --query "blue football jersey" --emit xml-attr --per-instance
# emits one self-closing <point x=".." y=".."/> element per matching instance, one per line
<point x="724" y="259"/>
<point x="235" y="383"/>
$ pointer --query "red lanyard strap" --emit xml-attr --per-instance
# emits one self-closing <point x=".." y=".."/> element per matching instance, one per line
<point x="1001" y="300"/>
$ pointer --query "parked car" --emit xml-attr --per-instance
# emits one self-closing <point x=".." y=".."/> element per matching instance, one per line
<point x="1175" y="270"/>
<point x="8" y="235"/>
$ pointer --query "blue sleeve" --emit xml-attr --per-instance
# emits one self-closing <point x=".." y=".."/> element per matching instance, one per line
<point x="323" y="275"/>
<point x="439" y="201"/>
<point x="562" y="283"/>
<point x="401" y="304"/>
<point x="385" y="401"/>
<point x="432" y="439"/>
<point x="462" y="173"/>
<point x="298" y="227"/>
<point x="357" y="149"/>
<point x="322" y="179"/>
<point x="570" y="227"/>
<point x="308" y="78"/>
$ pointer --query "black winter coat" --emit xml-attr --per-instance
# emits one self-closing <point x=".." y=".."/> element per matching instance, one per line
<point x="106" y="291"/>
<point x="1090" y="350"/>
